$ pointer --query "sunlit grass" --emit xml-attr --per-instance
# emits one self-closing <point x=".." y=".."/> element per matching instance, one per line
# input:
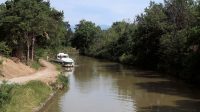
<point x="36" y="65"/>
<point x="24" y="98"/>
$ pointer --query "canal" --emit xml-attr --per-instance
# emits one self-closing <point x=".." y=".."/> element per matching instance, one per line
<point x="103" y="86"/>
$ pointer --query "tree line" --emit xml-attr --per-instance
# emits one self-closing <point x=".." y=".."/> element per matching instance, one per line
<point x="166" y="37"/>
<point x="27" y="26"/>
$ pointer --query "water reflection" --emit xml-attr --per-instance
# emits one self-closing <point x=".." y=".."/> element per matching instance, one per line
<point x="101" y="86"/>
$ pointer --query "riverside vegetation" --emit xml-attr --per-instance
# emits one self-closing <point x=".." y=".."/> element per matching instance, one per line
<point x="29" y="30"/>
<point x="166" y="37"/>
<point x="24" y="98"/>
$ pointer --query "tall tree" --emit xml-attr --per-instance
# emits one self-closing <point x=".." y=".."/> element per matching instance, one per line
<point x="85" y="34"/>
<point x="24" y="22"/>
<point x="150" y="27"/>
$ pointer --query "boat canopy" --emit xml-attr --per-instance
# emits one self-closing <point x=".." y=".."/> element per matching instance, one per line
<point x="62" y="55"/>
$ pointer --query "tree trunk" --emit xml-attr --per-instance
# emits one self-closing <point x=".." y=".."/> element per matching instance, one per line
<point x="28" y="47"/>
<point x="33" y="47"/>
<point x="28" y="54"/>
<point x="18" y="52"/>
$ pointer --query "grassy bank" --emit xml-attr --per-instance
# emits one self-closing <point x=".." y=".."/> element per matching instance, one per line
<point x="25" y="98"/>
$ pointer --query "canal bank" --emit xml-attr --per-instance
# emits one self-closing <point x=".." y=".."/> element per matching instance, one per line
<point x="23" y="98"/>
<point x="31" y="92"/>
<point x="102" y="86"/>
<point x="32" y="96"/>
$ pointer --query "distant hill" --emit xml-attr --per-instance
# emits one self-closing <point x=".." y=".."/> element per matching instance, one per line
<point x="103" y="27"/>
<point x="73" y="28"/>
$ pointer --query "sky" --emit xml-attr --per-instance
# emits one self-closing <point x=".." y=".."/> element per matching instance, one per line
<point x="101" y="12"/>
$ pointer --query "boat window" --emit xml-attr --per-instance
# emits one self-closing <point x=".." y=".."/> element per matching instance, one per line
<point x="65" y="56"/>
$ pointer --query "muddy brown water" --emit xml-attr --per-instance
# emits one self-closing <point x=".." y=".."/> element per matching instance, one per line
<point x="103" y="86"/>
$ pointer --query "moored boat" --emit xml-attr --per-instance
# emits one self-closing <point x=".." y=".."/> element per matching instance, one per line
<point x="65" y="60"/>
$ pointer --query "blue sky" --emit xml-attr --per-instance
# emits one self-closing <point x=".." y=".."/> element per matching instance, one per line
<point x="102" y="12"/>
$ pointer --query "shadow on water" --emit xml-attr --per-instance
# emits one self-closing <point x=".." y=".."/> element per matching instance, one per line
<point x="116" y="67"/>
<point x="170" y="87"/>
<point x="181" y="106"/>
<point x="159" y="83"/>
<point x="148" y="74"/>
<point x="186" y="97"/>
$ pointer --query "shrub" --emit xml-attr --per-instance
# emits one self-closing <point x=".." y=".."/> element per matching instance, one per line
<point x="24" y="98"/>
<point x="126" y="59"/>
<point x="1" y="61"/>
<point x="62" y="79"/>
<point x="4" y="49"/>
<point x="5" y="93"/>
<point x="36" y="65"/>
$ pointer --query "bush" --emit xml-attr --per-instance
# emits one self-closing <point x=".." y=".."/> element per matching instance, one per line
<point x="62" y="79"/>
<point x="41" y="53"/>
<point x="127" y="59"/>
<point x="1" y="61"/>
<point x="5" y="94"/>
<point x="4" y="49"/>
<point x="36" y="65"/>
<point x="23" y="98"/>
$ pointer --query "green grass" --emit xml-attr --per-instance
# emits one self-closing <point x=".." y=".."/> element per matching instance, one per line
<point x="23" y="98"/>
<point x="36" y="65"/>
<point x="62" y="79"/>
<point x="58" y="66"/>
<point x="5" y="96"/>
<point x="1" y="61"/>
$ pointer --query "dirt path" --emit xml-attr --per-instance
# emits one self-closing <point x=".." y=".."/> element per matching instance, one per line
<point x="46" y="74"/>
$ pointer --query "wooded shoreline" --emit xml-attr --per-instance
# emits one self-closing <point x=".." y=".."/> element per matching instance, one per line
<point x="164" y="38"/>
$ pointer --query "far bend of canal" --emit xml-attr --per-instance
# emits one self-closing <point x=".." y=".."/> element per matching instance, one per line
<point x="103" y="86"/>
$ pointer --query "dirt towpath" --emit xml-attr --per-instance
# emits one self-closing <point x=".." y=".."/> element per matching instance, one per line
<point x="47" y="74"/>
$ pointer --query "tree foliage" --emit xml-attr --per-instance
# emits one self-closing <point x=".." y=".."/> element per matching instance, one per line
<point x="86" y="33"/>
<point x="26" y="25"/>
<point x="165" y="37"/>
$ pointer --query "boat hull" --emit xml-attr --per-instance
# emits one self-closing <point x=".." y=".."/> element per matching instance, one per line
<point x="67" y="65"/>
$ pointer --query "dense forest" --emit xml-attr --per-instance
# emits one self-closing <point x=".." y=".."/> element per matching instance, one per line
<point x="28" y="28"/>
<point x="166" y="37"/>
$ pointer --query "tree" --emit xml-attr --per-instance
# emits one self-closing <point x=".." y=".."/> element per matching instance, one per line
<point x="150" y="27"/>
<point x="24" y="23"/>
<point x="165" y="37"/>
<point x="85" y="34"/>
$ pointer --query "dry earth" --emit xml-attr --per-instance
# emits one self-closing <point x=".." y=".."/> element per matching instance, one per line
<point x="10" y="69"/>
<point x="20" y="73"/>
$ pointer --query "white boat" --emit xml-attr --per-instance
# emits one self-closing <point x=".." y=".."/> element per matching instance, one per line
<point x="65" y="60"/>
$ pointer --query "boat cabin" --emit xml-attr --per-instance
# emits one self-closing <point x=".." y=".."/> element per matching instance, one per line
<point x="65" y="60"/>
<point x="60" y="56"/>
